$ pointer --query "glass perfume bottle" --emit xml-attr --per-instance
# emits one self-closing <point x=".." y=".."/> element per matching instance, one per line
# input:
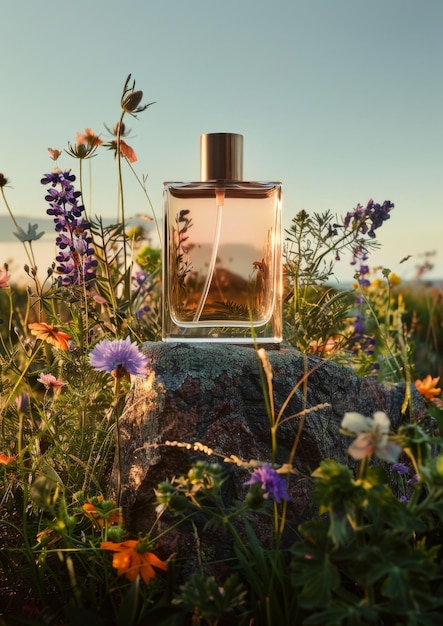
<point x="222" y="259"/>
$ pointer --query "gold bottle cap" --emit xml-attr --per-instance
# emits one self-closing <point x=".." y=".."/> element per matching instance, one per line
<point x="221" y="156"/>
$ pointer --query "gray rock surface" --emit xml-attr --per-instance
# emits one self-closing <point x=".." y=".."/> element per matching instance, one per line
<point x="213" y="394"/>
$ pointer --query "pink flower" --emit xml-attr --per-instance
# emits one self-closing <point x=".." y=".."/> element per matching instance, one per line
<point x="4" y="277"/>
<point x="372" y="436"/>
<point x="50" y="381"/>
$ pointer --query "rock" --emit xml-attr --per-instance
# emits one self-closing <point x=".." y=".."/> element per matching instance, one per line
<point x="213" y="394"/>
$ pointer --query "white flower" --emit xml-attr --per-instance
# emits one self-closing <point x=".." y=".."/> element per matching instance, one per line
<point x="372" y="436"/>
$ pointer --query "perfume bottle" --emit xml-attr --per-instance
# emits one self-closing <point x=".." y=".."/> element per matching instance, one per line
<point x="222" y="259"/>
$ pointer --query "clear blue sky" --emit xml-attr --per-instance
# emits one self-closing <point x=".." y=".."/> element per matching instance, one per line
<point x="342" y="100"/>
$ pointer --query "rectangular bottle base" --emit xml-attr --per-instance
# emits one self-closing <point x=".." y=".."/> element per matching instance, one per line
<point x="230" y="340"/>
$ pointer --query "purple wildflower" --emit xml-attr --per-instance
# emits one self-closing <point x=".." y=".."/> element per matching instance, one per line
<point x="119" y="357"/>
<point x="142" y="311"/>
<point x="76" y="262"/>
<point x="373" y="213"/>
<point x="401" y="468"/>
<point x="404" y="499"/>
<point x="22" y="402"/>
<point x="272" y="483"/>
<point x="141" y="282"/>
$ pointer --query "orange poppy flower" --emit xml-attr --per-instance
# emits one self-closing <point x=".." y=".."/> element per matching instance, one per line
<point x="428" y="387"/>
<point x="132" y="559"/>
<point x="6" y="460"/>
<point x="51" y="334"/>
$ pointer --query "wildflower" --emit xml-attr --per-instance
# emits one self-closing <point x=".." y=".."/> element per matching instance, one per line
<point x="132" y="558"/>
<point x="100" y="511"/>
<point x="50" y="381"/>
<point x="401" y="468"/>
<point x="6" y="460"/>
<point x="119" y="357"/>
<point x="373" y="213"/>
<point x="125" y="150"/>
<point x="372" y="436"/>
<point x="4" y="277"/>
<point x="22" y="402"/>
<point x="54" y="154"/>
<point x="428" y="387"/>
<point x="3" y="180"/>
<point x="272" y="483"/>
<point x="89" y="138"/>
<point x="51" y="334"/>
<point x="31" y="235"/>
<point x="131" y="99"/>
<point x="76" y="262"/>
<point x="394" y="280"/>
<point x="142" y="311"/>
<point x="81" y="150"/>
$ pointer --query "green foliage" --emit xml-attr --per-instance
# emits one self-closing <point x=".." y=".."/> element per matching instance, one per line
<point x="372" y="558"/>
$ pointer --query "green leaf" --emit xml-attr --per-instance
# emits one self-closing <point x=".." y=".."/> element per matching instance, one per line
<point x="128" y="609"/>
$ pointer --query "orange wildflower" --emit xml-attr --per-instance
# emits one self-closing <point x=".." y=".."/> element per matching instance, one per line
<point x="428" y="387"/>
<point x="127" y="151"/>
<point x="54" y="154"/>
<point x="88" y="138"/>
<point x="51" y="334"/>
<point x="132" y="559"/>
<point x="99" y="514"/>
<point x="6" y="460"/>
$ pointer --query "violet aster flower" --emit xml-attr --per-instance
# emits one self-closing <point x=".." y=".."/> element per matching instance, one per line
<point x="119" y="357"/>
<point x="272" y="483"/>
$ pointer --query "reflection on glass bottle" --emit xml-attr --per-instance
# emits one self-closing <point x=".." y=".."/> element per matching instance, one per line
<point x="222" y="253"/>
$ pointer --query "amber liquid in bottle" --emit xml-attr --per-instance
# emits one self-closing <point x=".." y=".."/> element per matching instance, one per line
<point x="222" y="262"/>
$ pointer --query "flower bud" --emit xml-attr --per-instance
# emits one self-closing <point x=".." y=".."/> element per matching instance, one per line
<point x="131" y="102"/>
<point x="22" y="402"/>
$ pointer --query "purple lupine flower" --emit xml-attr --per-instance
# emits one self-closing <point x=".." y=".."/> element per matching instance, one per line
<point x="273" y="485"/>
<point x="76" y="262"/>
<point x="119" y="357"/>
